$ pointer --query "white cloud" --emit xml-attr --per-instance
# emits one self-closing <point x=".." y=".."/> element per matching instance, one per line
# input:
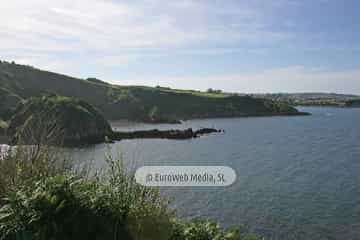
<point x="103" y="24"/>
<point x="114" y="61"/>
<point x="50" y="29"/>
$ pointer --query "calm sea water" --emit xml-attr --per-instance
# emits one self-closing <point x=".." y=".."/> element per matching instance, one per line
<point x="298" y="177"/>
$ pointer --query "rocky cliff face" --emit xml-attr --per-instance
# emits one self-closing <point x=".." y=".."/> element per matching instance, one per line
<point x="57" y="120"/>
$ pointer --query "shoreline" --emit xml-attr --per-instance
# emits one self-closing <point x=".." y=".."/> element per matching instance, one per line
<point x="119" y="133"/>
<point x="173" y="134"/>
<point x="163" y="134"/>
<point x="130" y="123"/>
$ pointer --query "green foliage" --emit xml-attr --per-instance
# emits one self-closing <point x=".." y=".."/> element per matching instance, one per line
<point x="149" y="216"/>
<point x="64" y="208"/>
<point x="24" y="165"/>
<point x="215" y="91"/>
<point x="43" y="203"/>
<point x="207" y="230"/>
<point x="320" y="102"/>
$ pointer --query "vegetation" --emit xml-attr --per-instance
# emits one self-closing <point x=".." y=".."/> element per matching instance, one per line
<point x="326" y="102"/>
<point x="216" y="91"/>
<point x="319" y="102"/>
<point x="43" y="197"/>
<point x="8" y="102"/>
<point x="70" y="207"/>
<point x="314" y="99"/>
<point x="198" y="229"/>
<point x="75" y="120"/>
<point x="137" y="103"/>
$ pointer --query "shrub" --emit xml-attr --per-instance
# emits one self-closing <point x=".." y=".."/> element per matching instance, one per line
<point x="23" y="165"/>
<point x="198" y="229"/>
<point x="42" y="202"/>
<point x="63" y="207"/>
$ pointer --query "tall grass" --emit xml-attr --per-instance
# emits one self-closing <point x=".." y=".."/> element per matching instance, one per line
<point x="43" y="198"/>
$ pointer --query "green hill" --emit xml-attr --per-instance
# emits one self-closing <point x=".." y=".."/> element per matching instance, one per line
<point x="58" y="119"/>
<point x="129" y="102"/>
<point x="314" y="99"/>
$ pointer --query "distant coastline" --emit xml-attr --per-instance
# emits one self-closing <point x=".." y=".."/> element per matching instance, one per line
<point x="315" y="99"/>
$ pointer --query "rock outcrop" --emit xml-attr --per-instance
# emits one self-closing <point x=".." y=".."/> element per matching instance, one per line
<point x="164" y="134"/>
<point x="58" y="120"/>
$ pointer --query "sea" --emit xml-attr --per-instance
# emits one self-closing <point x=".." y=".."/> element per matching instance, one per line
<point x="298" y="177"/>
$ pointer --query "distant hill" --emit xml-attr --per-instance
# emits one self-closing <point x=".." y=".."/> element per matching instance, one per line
<point x="314" y="99"/>
<point x="137" y="103"/>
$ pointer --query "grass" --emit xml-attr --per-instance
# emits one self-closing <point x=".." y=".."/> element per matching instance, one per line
<point x="196" y="93"/>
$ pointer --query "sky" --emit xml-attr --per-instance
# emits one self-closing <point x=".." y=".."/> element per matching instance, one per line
<point x="237" y="46"/>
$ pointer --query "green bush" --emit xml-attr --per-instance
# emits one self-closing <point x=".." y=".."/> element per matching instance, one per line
<point x="23" y="165"/>
<point x="198" y="229"/>
<point x="63" y="208"/>
<point x="48" y="204"/>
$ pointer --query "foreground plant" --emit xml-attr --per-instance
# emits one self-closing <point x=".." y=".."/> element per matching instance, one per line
<point x="63" y="208"/>
<point x="198" y="229"/>
<point x="68" y="206"/>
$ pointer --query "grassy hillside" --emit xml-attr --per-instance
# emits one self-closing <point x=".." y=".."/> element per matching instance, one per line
<point x="129" y="102"/>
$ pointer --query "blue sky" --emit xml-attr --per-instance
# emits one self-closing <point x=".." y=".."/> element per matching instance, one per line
<point x="239" y="46"/>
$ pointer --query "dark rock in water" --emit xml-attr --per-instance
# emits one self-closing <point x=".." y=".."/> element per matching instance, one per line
<point x="57" y="120"/>
<point x="207" y="131"/>
<point x="167" y="134"/>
